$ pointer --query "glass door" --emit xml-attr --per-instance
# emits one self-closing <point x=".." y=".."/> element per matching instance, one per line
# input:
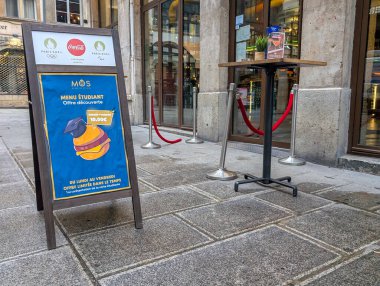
<point x="366" y="93"/>
<point x="171" y="58"/>
<point x="251" y="17"/>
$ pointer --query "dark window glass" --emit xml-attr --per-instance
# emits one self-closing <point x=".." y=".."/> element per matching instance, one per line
<point x="74" y="8"/>
<point x="12" y="9"/>
<point x="370" y="103"/>
<point x="191" y="57"/>
<point x="61" y="6"/>
<point x="61" y="17"/>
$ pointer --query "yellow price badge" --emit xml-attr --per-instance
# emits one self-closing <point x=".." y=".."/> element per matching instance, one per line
<point x="99" y="117"/>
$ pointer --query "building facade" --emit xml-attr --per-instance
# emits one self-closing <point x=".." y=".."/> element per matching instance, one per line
<point x="182" y="42"/>
<point x="178" y="44"/>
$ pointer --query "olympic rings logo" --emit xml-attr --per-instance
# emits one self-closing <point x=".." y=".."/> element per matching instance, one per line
<point x="51" y="56"/>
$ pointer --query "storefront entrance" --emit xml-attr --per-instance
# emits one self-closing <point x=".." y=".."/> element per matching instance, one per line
<point x="249" y="20"/>
<point x="171" y="46"/>
<point x="365" y="104"/>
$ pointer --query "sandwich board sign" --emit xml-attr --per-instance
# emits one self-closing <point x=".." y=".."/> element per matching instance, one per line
<point x="81" y="134"/>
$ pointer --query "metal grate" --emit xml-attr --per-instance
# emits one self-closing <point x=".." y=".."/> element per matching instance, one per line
<point x="12" y="66"/>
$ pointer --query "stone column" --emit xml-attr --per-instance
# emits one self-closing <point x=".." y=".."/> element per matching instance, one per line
<point x="135" y="101"/>
<point x="324" y="96"/>
<point x="212" y="101"/>
<point x="50" y="11"/>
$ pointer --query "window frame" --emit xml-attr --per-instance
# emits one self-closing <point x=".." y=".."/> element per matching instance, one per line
<point x="81" y="22"/>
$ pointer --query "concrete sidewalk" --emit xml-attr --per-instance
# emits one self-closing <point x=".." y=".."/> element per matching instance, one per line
<point x="196" y="231"/>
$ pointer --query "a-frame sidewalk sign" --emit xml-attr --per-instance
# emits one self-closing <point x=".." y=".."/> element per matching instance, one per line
<point x="81" y="133"/>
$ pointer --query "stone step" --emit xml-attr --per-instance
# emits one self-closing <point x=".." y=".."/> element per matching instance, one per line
<point x="362" y="164"/>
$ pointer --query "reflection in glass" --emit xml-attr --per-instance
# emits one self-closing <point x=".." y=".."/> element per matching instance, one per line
<point x="108" y="13"/>
<point x="191" y="57"/>
<point x="286" y="15"/>
<point x="151" y="58"/>
<point x="249" y="25"/>
<point x="170" y="62"/>
<point x="370" y="111"/>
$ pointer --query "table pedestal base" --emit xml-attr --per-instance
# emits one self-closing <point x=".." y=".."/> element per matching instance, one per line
<point x="266" y="181"/>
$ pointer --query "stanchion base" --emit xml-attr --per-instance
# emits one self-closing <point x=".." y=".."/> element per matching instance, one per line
<point x="151" y="145"/>
<point x="293" y="161"/>
<point x="266" y="181"/>
<point x="222" y="175"/>
<point x="194" y="140"/>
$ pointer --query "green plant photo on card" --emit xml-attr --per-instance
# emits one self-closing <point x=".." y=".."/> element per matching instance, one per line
<point x="261" y="43"/>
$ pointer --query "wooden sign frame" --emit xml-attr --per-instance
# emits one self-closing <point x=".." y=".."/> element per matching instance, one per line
<point x="41" y="155"/>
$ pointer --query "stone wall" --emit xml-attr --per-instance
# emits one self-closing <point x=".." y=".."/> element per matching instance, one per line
<point x="325" y="94"/>
<point x="135" y="101"/>
<point x="212" y="102"/>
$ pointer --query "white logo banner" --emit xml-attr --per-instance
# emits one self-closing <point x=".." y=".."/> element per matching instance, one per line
<point x="73" y="49"/>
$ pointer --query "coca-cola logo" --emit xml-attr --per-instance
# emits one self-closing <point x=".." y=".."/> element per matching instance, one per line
<point x="76" y="47"/>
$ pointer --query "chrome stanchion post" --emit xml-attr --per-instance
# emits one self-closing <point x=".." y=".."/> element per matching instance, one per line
<point x="150" y="144"/>
<point x="223" y="174"/>
<point x="194" y="139"/>
<point x="292" y="159"/>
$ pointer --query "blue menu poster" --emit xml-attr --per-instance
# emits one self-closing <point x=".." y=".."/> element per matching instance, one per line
<point x="85" y="134"/>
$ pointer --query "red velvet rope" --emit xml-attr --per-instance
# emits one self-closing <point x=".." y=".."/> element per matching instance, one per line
<point x="156" y="128"/>
<point x="278" y="122"/>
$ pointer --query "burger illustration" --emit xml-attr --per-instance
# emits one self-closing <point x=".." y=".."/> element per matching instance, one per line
<point x="90" y="141"/>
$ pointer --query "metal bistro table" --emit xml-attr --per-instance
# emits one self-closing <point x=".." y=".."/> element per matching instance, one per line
<point x="270" y="66"/>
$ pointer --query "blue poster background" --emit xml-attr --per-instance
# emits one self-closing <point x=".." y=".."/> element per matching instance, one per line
<point x="72" y="175"/>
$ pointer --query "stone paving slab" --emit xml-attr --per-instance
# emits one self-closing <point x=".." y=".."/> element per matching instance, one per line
<point x="54" y="267"/>
<point x="6" y="161"/>
<point x="10" y="175"/>
<point x="142" y="173"/>
<point x="23" y="231"/>
<point x="233" y="216"/>
<point x="302" y="203"/>
<point x="124" y="246"/>
<point x="355" y="195"/>
<point x="225" y="189"/>
<point x="362" y="271"/>
<point x="169" y="166"/>
<point x="269" y="256"/>
<point x="340" y="226"/>
<point x="27" y="156"/>
<point x="309" y="187"/>
<point x="142" y="159"/>
<point x="180" y="178"/>
<point x="95" y="216"/>
<point x="15" y="195"/>
<point x="144" y="188"/>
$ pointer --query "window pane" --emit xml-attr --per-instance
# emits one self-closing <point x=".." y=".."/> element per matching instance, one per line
<point x="75" y="19"/>
<point x="151" y="67"/>
<point x="249" y="23"/>
<point x="170" y="62"/>
<point x="29" y="9"/>
<point x="191" y="57"/>
<point x="61" y="6"/>
<point x="61" y="17"/>
<point x="74" y="8"/>
<point x="370" y="105"/>
<point x="12" y="9"/>
<point x="285" y="14"/>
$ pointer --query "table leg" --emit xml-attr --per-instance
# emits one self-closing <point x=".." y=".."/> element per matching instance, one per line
<point x="270" y="72"/>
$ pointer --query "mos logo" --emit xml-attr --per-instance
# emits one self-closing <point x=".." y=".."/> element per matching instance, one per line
<point x="50" y="44"/>
<point x="80" y="83"/>
<point x="99" y="46"/>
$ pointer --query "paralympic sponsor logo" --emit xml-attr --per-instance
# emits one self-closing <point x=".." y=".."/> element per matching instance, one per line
<point x="76" y="47"/>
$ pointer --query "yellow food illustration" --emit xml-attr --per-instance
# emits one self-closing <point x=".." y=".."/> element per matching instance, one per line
<point x="90" y="141"/>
